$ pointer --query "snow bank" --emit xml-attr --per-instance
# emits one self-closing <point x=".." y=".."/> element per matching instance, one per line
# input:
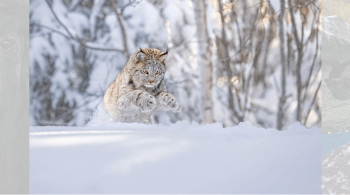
<point x="177" y="158"/>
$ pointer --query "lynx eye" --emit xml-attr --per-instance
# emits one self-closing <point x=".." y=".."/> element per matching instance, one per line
<point x="157" y="72"/>
<point x="144" y="72"/>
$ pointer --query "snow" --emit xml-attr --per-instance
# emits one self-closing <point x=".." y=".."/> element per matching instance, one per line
<point x="158" y="24"/>
<point x="177" y="158"/>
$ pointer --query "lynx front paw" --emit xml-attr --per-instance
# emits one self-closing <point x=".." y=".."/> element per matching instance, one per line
<point x="168" y="101"/>
<point x="146" y="102"/>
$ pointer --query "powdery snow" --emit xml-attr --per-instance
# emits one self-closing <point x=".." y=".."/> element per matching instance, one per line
<point x="176" y="158"/>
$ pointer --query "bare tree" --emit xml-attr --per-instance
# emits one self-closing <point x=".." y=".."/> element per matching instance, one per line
<point x="204" y="59"/>
<point x="282" y="99"/>
<point x="299" y="45"/>
<point x="235" y="115"/>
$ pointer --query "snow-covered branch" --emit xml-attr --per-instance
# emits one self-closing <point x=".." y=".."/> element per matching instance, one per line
<point x="70" y="34"/>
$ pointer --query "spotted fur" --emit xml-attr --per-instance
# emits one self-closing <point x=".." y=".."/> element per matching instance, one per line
<point x="139" y="91"/>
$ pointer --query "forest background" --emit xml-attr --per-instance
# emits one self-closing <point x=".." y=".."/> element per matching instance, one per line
<point x="229" y="61"/>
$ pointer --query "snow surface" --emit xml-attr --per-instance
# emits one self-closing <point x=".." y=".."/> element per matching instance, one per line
<point x="176" y="158"/>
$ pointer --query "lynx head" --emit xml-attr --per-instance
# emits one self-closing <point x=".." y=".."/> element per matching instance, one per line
<point x="149" y="67"/>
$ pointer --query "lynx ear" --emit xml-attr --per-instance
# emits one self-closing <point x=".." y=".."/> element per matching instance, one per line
<point x="163" y="56"/>
<point x="141" y="55"/>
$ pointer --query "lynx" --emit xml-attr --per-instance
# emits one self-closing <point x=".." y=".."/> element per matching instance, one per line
<point x="139" y="91"/>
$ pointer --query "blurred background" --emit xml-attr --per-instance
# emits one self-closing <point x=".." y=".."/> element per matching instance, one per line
<point x="229" y="60"/>
<point x="335" y="97"/>
<point x="335" y="66"/>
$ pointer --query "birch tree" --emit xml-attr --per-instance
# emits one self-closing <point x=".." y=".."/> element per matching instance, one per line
<point x="282" y="99"/>
<point x="204" y="59"/>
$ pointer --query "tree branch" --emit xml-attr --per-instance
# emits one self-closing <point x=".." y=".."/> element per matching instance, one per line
<point x="71" y="36"/>
<point x="313" y="101"/>
<point x="115" y="10"/>
<point x="311" y="70"/>
<point x="132" y="3"/>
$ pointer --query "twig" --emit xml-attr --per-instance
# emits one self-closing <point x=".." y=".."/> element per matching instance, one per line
<point x="133" y="3"/>
<point x="51" y="29"/>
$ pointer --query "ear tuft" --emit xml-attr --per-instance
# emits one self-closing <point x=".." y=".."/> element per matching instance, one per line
<point x="163" y="56"/>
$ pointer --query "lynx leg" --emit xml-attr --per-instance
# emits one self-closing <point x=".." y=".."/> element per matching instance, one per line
<point x="135" y="100"/>
<point x="166" y="102"/>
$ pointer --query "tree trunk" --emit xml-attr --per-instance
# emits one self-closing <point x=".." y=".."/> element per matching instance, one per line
<point x="227" y="60"/>
<point x="299" y="43"/>
<point x="125" y="39"/>
<point x="204" y="60"/>
<point x="283" y="75"/>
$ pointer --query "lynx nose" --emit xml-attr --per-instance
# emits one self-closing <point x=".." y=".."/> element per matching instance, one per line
<point x="151" y="81"/>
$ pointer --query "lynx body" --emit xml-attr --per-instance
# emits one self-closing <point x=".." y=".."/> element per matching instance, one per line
<point x="139" y="91"/>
